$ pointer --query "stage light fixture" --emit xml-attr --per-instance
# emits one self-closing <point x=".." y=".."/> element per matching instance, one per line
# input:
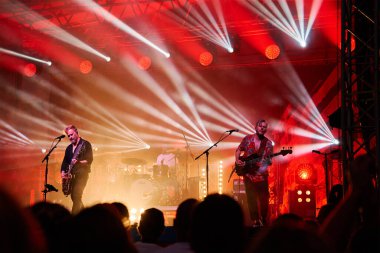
<point x="306" y="174"/>
<point x="206" y="58"/>
<point x="30" y="70"/>
<point x="302" y="201"/>
<point x="272" y="52"/>
<point x="85" y="67"/>
<point x="144" y="63"/>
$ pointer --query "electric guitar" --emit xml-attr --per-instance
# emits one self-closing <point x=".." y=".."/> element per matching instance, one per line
<point x="66" y="180"/>
<point x="252" y="160"/>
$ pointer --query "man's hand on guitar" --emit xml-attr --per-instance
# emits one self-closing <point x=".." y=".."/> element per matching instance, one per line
<point x="239" y="162"/>
<point x="65" y="175"/>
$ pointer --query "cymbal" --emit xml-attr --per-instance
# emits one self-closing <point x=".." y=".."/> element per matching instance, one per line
<point x="133" y="161"/>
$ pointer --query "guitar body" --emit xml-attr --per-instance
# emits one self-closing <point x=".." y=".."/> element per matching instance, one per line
<point x="251" y="162"/>
<point x="250" y="165"/>
<point x="66" y="182"/>
<point x="67" y="179"/>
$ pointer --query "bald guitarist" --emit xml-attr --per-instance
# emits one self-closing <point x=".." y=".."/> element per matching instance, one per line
<point x="255" y="174"/>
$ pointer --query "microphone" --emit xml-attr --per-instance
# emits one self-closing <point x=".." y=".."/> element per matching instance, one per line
<point x="50" y="188"/>
<point x="316" y="151"/>
<point x="232" y="130"/>
<point x="60" y="137"/>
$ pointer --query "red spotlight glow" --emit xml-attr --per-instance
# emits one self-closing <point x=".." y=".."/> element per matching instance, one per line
<point x="85" y="67"/>
<point x="205" y="58"/>
<point x="30" y="70"/>
<point x="145" y="62"/>
<point x="305" y="173"/>
<point x="272" y="52"/>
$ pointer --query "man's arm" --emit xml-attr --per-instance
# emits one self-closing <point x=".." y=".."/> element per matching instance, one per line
<point x="87" y="156"/>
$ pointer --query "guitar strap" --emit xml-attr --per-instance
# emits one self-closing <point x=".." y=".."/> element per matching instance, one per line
<point x="78" y="149"/>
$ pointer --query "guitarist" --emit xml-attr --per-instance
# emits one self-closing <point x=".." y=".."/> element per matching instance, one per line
<point x="80" y="160"/>
<point x="255" y="175"/>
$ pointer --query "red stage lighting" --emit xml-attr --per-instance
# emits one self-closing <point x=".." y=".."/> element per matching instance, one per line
<point x="145" y="62"/>
<point x="272" y="52"/>
<point x="205" y="58"/>
<point x="306" y="174"/>
<point x="30" y="70"/>
<point x="302" y="201"/>
<point x="85" y="67"/>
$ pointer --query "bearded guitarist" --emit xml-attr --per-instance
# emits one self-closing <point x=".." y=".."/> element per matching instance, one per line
<point x="76" y="167"/>
<point x="255" y="175"/>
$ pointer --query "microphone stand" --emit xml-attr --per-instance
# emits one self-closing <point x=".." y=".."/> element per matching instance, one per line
<point x="47" y="187"/>
<point x="325" y="154"/>
<point x="207" y="154"/>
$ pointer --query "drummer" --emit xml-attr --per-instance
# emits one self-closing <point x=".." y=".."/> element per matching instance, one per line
<point x="167" y="160"/>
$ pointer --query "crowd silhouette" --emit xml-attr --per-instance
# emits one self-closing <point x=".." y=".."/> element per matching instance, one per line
<point x="349" y="224"/>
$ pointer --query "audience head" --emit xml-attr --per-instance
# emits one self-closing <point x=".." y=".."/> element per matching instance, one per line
<point x="218" y="225"/>
<point x="335" y="195"/>
<point x="50" y="216"/>
<point x="288" y="233"/>
<point x="151" y="226"/>
<point x="96" y="229"/>
<point x="19" y="231"/>
<point x="123" y="210"/>
<point x="183" y="218"/>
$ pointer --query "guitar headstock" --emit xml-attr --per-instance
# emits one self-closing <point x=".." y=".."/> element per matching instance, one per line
<point x="286" y="151"/>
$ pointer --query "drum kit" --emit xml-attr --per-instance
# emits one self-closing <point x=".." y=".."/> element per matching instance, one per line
<point x="155" y="186"/>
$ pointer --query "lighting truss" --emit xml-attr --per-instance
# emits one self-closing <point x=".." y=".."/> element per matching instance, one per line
<point x="360" y="81"/>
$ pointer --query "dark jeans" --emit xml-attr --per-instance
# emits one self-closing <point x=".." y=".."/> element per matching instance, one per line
<point x="79" y="182"/>
<point x="257" y="199"/>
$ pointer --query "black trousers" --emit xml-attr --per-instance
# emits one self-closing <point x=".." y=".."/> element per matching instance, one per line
<point x="79" y="182"/>
<point x="257" y="199"/>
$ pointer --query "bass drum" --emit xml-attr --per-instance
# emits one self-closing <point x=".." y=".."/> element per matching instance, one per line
<point x="142" y="193"/>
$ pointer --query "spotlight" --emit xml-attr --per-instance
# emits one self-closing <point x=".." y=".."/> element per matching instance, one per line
<point x="144" y="63"/>
<point x="335" y="141"/>
<point x="85" y="67"/>
<point x="305" y="174"/>
<point x="205" y="58"/>
<point x="230" y="50"/>
<point x="30" y="70"/>
<point x="108" y="59"/>
<point x="303" y="204"/>
<point x="303" y="43"/>
<point x="272" y="52"/>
